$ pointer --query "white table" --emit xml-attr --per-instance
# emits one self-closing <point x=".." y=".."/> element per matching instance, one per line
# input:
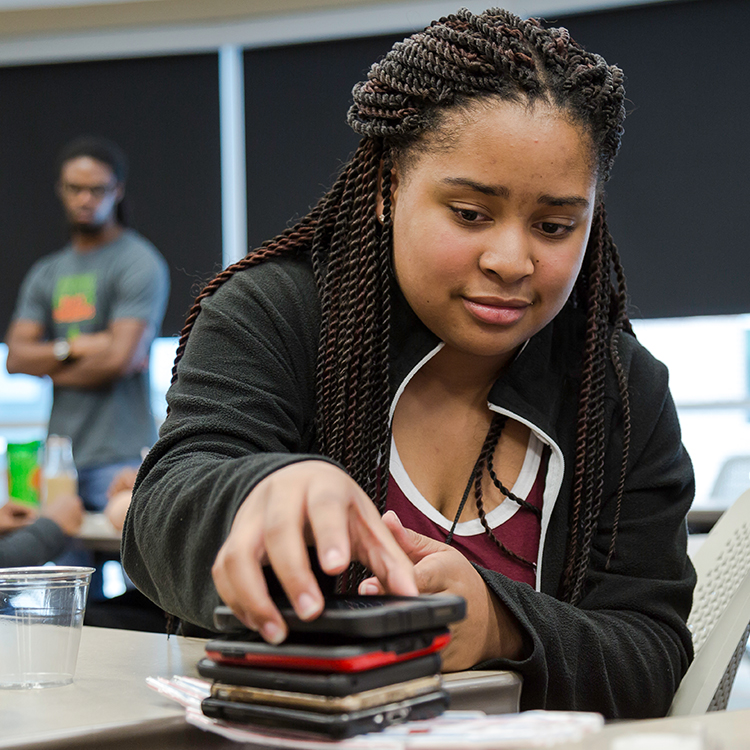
<point x="110" y="706"/>
<point x="722" y="730"/>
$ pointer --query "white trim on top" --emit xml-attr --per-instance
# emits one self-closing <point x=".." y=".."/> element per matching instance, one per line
<point x="497" y="516"/>
<point x="289" y="28"/>
<point x="555" y="474"/>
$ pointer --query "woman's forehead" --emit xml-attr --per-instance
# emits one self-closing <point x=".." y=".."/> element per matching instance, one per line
<point x="510" y="134"/>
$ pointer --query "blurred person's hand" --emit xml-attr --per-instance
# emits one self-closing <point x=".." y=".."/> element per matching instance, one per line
<point x="123" y="481"/>
<point x="66" y="511"/>
<point x="117" y="508"/>
<point x="14" y="516"/>
<point x="119" y="494"/>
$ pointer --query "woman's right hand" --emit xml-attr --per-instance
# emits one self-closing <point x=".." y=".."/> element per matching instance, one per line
<point x="311" y="503"/>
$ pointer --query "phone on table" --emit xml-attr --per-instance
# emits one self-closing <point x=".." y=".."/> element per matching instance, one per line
<point x="364" y="616"/>
<point x="328" y="703"/>
<point x="326" y="652"/>
<point x="321" y="683"/>
<point x="332" y="725"/>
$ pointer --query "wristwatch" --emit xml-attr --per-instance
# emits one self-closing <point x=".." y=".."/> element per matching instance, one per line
<point x="61" y="350"/>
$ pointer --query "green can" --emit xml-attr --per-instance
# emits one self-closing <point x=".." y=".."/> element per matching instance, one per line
<point x="24" y="471"/>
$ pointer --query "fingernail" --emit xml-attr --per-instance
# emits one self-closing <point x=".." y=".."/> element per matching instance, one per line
<point x="272" y="633"/>
<point x="334" y="558"/>
<point x="368" y="589"/>
<point x="306" y="606"/>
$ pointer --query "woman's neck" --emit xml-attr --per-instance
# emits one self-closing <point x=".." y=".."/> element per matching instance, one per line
<point x="460" y="375"/>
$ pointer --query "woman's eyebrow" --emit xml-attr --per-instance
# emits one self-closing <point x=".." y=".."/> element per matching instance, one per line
<point x="501" y="191"/>
<point x="497" y="190"/>
<point x="566" y="200"/>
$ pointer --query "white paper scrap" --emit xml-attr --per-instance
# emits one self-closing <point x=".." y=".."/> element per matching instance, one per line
<point x="453" y="730"/>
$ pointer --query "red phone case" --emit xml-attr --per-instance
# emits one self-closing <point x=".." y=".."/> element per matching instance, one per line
<point x="355" y="657"/>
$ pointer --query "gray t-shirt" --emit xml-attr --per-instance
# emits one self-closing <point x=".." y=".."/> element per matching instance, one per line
<point x="69" y="292"/>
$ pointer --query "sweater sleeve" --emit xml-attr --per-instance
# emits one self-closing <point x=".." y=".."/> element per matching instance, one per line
<point x="624" y="648"/>
<point x="242" y="407"/>
<point x="35" y="544"/>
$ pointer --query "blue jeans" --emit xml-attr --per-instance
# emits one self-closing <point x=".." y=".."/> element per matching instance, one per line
<point x="93" y="482"/>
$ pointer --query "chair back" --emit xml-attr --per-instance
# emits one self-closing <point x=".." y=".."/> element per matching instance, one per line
<point x="720" y="618"/>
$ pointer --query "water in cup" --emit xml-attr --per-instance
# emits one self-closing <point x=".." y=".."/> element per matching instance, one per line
<point x="41" y="618"/>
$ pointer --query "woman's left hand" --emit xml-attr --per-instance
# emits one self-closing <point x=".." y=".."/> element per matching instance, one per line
<point x="488" y="630"/>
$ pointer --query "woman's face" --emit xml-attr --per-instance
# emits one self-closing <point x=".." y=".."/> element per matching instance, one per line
<point x="489" y="233"/>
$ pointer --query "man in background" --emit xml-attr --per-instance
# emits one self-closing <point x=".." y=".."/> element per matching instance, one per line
<point x="86" y="316"/>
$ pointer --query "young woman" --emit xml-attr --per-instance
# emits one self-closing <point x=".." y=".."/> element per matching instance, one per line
<point x="432" y="377"/>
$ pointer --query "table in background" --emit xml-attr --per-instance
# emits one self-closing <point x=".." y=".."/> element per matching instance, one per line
<point x="98" y="534"/>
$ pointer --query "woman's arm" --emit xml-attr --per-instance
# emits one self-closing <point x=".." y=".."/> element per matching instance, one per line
<point x="240" y="410"/>
<point x="243" y="410"/>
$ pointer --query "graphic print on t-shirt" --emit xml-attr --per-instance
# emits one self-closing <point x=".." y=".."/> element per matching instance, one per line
<point x="74" y="298"/>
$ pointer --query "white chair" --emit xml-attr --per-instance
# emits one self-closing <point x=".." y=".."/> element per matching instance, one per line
<point x="720" y="618"/>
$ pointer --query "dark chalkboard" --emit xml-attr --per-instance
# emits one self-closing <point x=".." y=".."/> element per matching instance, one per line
<point x="164" y="113"/>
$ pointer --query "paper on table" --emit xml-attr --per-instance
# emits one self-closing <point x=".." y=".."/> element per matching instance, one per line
<point x="451" y="730"/>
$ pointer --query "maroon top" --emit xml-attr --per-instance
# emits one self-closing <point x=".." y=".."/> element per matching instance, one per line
<point x="517" y="528"/>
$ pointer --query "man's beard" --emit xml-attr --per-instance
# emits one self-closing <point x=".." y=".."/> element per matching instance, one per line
<point x="86" y="228"/>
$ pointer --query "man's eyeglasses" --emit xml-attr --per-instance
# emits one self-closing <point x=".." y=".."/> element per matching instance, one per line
<point x="96" y="191"/>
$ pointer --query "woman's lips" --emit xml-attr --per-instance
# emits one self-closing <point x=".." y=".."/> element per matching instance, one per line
<point x="496" y="311"/>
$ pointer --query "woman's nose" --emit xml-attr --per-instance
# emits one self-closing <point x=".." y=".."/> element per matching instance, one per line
<point x="508" y="254"/>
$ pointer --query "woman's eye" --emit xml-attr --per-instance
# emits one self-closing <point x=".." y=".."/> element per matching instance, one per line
<point x="468" y="216"/>
<point x="553" y="229"/>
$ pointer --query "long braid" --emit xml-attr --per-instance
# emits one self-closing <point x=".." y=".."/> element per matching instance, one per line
<point x="355" y="297"/>
<point x="485" y="459"/>
<point x="621" y="324"/>
<point x="353" y="280"/>
<point x="590" y="439"/>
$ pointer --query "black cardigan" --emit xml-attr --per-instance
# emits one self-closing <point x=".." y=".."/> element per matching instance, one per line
<point x="244" y="406"/>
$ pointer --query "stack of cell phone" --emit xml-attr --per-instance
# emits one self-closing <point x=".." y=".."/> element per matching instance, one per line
<point x="365" y="663"/>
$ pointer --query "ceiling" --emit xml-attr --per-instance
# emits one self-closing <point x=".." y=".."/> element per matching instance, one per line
<point x="43" y="31"/>
<point x="36" y="17"/>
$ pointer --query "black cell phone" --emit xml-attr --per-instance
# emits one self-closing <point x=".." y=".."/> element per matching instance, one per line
<point x="332" y="725"/>
<point x="335" y="684"/>
<point x="364" y="616"/>
<point x="309" y="654"/>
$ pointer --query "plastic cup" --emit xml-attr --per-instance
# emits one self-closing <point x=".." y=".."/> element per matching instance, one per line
<point x="41" y="619"/>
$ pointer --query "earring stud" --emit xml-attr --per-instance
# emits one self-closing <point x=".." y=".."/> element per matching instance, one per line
<point x="381" y="218"/>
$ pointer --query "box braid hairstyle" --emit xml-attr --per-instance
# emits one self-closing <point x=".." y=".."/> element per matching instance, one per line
<point x="457" y="60"/>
